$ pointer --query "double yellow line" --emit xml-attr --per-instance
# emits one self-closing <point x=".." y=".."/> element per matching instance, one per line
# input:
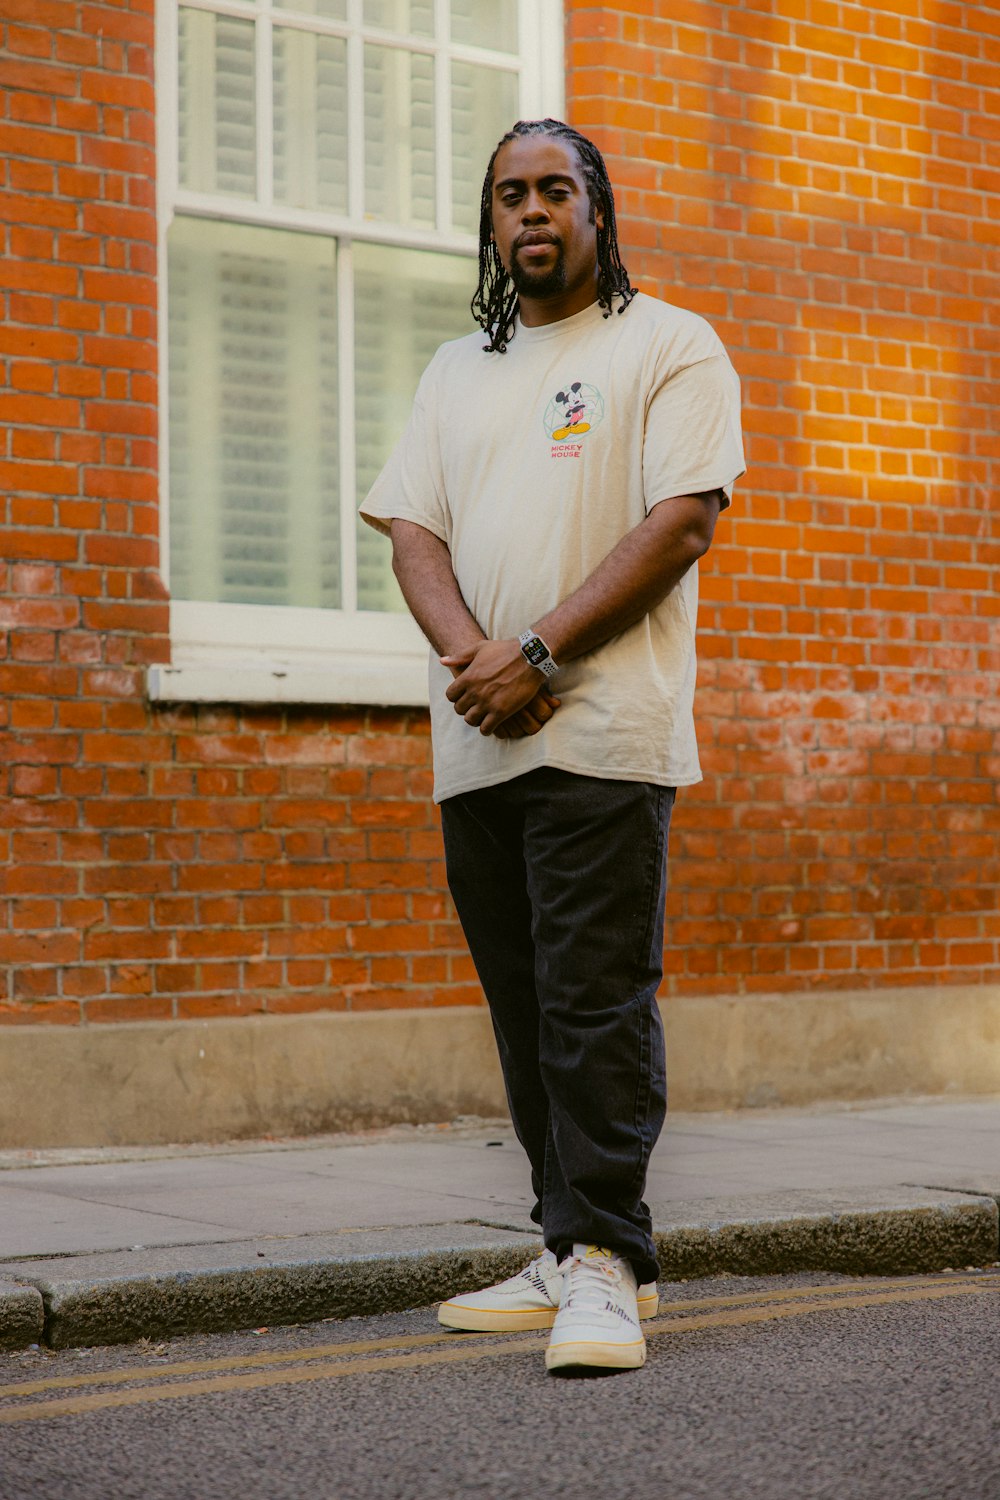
<point x="365" y="1356"/>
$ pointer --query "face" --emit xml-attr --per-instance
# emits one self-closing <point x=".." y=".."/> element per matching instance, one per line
<point x="543" y="224"/>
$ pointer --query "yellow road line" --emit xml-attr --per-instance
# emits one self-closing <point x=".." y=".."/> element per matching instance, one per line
<point x="790" y="1310"/>
<point x="421" y="1340"/>
<point x="466" y="1351"/>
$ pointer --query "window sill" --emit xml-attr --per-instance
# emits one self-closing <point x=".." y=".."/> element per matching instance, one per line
<point x="387" y="684"/>
<point x="257" y="654"/>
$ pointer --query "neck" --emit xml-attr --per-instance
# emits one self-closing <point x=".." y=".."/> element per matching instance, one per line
<point x="533" y="312"/>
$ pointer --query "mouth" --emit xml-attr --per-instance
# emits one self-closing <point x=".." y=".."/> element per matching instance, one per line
<point x="535" y="245"/>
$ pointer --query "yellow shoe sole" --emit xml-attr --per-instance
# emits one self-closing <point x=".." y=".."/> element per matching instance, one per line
<point x="454" y="1314"/>
<point x="600" y="1356"/>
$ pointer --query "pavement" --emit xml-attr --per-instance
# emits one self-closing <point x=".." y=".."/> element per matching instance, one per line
<point x="107" y="1246"/>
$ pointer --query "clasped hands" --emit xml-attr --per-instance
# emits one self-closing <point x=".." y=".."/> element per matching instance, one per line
<point x="497" y="691"/>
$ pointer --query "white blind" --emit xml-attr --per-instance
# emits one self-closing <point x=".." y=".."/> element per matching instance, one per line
<point x="483" y="108"/>
<point x="410" y="17"/>
<point x="216" y="104"/>
<point x="259" y="476"/>
<point x="253" y="416"/>
<point x="485" y="23"/>
<point x="399" y="136"/>
<point x="310" y="120"/>
<point x="329" y="10"/>
<point x="407" y="302"/>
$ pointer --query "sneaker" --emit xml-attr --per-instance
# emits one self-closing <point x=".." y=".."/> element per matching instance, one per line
<point x="525" y="1301"/>
<point x="598" y="1318"/>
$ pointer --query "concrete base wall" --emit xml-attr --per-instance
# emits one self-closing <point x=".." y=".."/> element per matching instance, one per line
<point x="155" y="1083"/>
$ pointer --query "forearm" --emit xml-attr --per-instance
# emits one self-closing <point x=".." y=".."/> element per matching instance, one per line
<point x="494" y="680"/>
<point x="423" y="569"/>
<point x="633" y="579"/>
<point x="424" y="572"/>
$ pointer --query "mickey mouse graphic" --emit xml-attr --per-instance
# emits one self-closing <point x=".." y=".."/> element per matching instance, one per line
<point x="573" y="411"/>
<point x="576" y="407"/>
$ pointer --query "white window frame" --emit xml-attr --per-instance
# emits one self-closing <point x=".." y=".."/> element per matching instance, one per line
<point x="253" y="653"/>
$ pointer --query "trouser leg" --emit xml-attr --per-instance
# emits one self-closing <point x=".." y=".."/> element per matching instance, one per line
<point x="595" y="853"/>
<point x="559" y="882"/>
<point x="484" y="850"/>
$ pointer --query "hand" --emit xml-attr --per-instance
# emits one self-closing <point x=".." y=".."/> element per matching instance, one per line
<point x="529" y="720"/>
<point x="493" y="682"/>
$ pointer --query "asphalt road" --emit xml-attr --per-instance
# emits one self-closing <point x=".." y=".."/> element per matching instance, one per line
<point x="785" y="1388"/>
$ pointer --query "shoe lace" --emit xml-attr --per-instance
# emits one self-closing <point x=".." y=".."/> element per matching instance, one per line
<point x="590" y="1283"/>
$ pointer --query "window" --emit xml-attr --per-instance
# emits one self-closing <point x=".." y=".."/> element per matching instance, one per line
<point x="320" y="168"/>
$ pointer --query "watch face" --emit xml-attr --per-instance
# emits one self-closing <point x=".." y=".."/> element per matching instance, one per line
<point x="535" y="650"/>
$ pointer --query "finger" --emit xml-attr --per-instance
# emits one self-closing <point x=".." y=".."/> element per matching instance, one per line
<point x="475" y="716"/>
<point x="529" y="722"/>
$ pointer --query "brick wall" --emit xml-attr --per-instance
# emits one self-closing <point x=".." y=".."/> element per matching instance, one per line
<point x="814" y="178"/>
<point x="821" y="181"/>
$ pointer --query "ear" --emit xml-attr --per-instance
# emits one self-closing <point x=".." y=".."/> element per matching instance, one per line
<point x="599" y="218"/>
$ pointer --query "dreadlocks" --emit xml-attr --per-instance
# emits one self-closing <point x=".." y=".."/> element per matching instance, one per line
<point x="495" y="301"/>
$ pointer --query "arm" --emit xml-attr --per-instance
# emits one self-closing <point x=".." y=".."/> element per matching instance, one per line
<point x="493" y="680"/>
<point x="422" y="565"/>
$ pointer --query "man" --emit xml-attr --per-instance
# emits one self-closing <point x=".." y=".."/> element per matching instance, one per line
<point x="547" y="506"/>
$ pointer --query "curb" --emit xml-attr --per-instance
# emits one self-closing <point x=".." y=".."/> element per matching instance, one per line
<point x="119" y="1297"/>
<point x="22" y="1315"/>
<point x="884" y="1232"/>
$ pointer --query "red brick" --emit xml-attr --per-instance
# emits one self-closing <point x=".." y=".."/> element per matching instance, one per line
<point x="847" y="605"/>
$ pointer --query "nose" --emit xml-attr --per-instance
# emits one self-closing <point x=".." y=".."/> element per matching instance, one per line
<point x="534" y="209"/>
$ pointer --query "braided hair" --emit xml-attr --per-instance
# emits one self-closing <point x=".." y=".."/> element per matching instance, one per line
<point x="495" y="300"/>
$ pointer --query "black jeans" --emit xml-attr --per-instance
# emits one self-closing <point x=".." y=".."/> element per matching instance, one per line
<point x="559" y="882"/>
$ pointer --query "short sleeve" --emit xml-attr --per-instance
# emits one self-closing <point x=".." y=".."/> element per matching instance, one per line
<point x="411" y="485"/>
<point x="692" y="440"/>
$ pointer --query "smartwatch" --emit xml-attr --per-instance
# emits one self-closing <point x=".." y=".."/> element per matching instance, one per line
<point x="536" y="653"/>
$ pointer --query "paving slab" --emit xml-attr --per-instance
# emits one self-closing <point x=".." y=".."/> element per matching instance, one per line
<point x="63" y="1209"/>
<point x="982" y="1183"/>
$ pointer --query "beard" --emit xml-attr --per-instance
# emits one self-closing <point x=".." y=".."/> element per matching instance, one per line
<point x="529" y="283"/>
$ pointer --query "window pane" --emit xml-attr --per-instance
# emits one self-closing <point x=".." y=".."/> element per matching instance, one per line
<point x="310" y="120"/>
<point x="410" y="17"/>
<point x="483" y="108"/>
<point x="407" y="302"/>
<point x="330" y="10"/>
<point x="493" y="24"/>
<point x="253" y="415"/>
<point x="216" y="98"/>
<point x="399" y="136"/>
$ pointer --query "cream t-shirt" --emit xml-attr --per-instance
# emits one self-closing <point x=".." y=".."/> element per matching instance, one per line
<point x="531" y="465"/>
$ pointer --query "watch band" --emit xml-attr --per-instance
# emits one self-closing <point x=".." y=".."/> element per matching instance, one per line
<point x="536" y="653"/>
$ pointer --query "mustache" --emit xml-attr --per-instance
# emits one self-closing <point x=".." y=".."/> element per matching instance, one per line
<point x="533" y="237"/>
